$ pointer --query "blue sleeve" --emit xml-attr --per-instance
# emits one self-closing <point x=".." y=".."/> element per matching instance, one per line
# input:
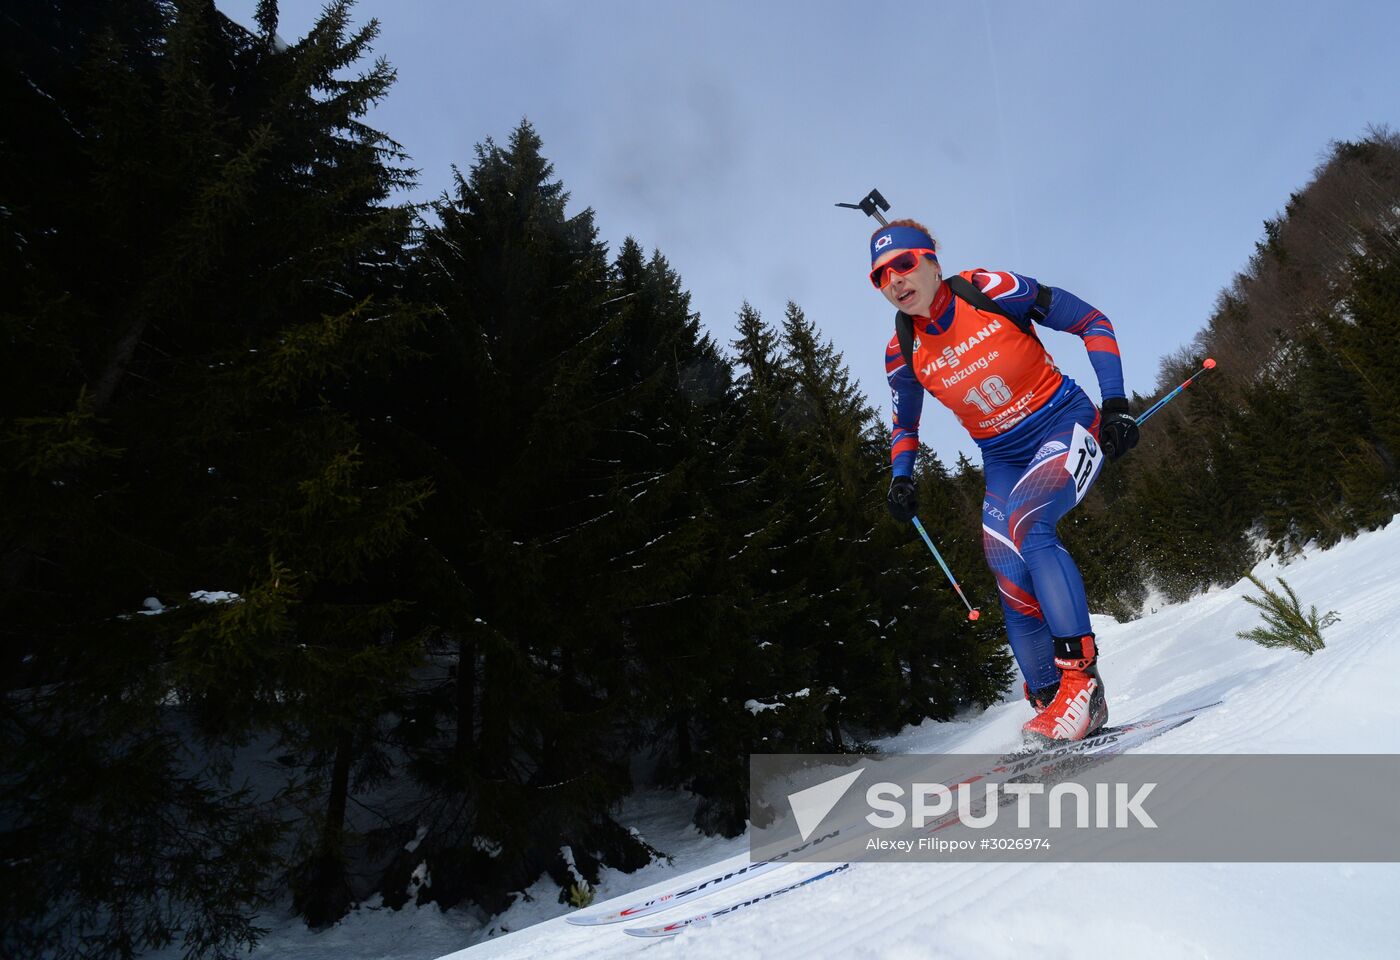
<point x="907" y="405"/>
<point x="1017" y="294"/>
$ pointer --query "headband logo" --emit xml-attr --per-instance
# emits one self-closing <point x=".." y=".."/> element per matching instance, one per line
<point x="884" y="242"/>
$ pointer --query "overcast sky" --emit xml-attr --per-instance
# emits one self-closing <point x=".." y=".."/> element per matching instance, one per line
<point x="1128" y="152"/>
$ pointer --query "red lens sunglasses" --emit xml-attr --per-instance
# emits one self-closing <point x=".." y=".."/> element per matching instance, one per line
<point x="906" y="262"/>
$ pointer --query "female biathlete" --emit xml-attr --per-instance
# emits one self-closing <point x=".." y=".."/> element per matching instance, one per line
<point x="970" y="341"/>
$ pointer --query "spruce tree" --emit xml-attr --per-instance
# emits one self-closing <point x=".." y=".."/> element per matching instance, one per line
<point x="547" y="406"/>
<point x="758" y="656"/>
<point x="204" y="339"/>
<point x="834" y="427"/>
<point x="1368" y="351"/>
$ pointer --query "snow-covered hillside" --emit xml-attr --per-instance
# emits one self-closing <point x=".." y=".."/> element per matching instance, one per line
<point x="1343" y="699"/>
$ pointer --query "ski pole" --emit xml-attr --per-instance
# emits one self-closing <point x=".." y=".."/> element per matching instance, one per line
<point x="972" y="614"/>
<point x="1208" y="365"/>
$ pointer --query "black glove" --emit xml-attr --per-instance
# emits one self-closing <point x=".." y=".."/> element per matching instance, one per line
<point x="902" y="500"/>
<point x="1118" y="431"/>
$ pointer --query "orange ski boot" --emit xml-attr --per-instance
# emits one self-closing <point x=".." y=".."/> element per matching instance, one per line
<point x="1079" y="707"/>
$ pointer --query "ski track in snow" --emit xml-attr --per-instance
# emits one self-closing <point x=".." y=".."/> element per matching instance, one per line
<point x="1341" y="700"/>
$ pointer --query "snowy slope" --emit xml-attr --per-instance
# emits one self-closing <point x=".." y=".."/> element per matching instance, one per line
<point x="1343" y="699"/>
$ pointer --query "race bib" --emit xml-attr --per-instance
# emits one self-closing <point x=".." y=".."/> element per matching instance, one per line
<point x="1084" y="460"/>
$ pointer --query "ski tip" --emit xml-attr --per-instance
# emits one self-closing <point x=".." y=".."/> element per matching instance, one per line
<point x="650" y="933"/>
<point x="586" y="921"/>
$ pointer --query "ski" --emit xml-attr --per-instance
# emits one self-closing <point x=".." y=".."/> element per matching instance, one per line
<point x="719" y="881"/>
<point x="673" y="898"/>
<point x="1105" y="742"/>
<point x="677" y="926"/>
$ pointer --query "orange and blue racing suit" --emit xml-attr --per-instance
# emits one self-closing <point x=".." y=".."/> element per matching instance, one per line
<point x="1037" y="431"/>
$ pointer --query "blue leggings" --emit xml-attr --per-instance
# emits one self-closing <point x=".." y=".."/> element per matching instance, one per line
<point x="1030" y="486"/>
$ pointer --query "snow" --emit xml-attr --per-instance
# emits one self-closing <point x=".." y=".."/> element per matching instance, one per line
<point x="756" y="707"/>
<point x="1341" y="700"/>
<point x="418" y="836"/>
<point x="214" y="596"/>
<point x="421" y="877"/>
<point x="487" y="846"/>
<point x="152" y="607"/>
<point x="566" y="852"/>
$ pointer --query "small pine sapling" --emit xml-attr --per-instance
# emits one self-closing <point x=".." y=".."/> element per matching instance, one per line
<point x="1286" y="625"/>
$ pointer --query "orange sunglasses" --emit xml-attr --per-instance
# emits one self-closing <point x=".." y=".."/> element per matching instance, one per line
<point x="906" y="262"/>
